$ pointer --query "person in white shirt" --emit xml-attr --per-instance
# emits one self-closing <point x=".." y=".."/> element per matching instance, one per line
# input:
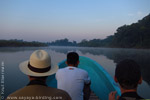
<point x="74" y="80"/>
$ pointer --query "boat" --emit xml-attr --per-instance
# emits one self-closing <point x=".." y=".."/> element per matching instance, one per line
<point x="101" y="82"/>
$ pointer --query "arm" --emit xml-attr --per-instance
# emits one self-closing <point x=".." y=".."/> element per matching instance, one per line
<point x="87" y="89"/>
<point x="112" y="96"/>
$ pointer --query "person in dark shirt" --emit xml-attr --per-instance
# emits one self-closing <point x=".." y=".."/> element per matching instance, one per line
<point x="128" y="75"/>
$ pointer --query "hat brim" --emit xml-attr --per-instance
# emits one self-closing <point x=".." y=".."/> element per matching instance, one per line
<point x="24" y="68"/>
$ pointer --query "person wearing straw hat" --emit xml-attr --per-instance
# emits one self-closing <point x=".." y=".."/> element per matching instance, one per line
<point x="38" y="68"/>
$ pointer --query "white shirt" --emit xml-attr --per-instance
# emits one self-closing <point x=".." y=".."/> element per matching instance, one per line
<point x="71" y="80"/>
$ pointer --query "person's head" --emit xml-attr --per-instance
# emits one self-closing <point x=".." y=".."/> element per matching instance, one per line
<point x="128" y="74"/>
<point x="38" y="66"/>
<point x="72" y="59"/>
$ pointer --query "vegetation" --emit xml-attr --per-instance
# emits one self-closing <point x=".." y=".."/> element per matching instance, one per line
<point x="136" y="35"/>
<point x="20" y="43"/>
<point x="63" y="42"/>
<point x="96" y="42"/>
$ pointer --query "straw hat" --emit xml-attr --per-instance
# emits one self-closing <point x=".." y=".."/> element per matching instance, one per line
<point x="38" y="65"/>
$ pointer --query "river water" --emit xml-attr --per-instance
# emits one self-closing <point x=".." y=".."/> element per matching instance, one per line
<point x="10" y="57"/>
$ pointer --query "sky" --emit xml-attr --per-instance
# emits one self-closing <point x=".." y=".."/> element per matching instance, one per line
<point x="50" y="20"/>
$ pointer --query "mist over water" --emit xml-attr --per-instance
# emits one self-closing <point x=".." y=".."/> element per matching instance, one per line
<point x="107" y="57"/>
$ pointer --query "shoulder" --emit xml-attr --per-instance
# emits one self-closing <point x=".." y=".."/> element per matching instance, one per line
<point x="61" y="70"/>
<point x="130" y="95"/>
<point x="44" y="91"/>
<point x="14" y="94"/>
<point x="82" y="71"/>
<point x="60" y="93"/>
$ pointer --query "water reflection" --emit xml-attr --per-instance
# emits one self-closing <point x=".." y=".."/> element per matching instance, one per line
<point x="140" y="56"/>
<point x="62" y="49"/>
<point x="108" y="56"/>
<point x="17" y="49"/>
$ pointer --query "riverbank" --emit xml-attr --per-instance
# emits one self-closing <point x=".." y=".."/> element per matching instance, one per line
<point x="21" y="43"/>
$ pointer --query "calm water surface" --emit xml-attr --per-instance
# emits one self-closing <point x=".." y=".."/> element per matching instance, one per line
<point x="107" y="57"/>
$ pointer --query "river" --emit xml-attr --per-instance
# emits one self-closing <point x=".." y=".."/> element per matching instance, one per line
<point x="10" y="57"/>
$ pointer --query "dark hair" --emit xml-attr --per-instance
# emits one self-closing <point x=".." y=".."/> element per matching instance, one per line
<point x="128" y="74"/>
<point x="72" y="58"/>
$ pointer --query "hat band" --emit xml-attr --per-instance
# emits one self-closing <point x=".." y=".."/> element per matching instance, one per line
<point x="39" y="70"/>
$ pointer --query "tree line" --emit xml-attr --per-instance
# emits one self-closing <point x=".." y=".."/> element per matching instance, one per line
<point x="20" y="43"/>
<point x="136" y="35"/>
<point x="62" y="42"/>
